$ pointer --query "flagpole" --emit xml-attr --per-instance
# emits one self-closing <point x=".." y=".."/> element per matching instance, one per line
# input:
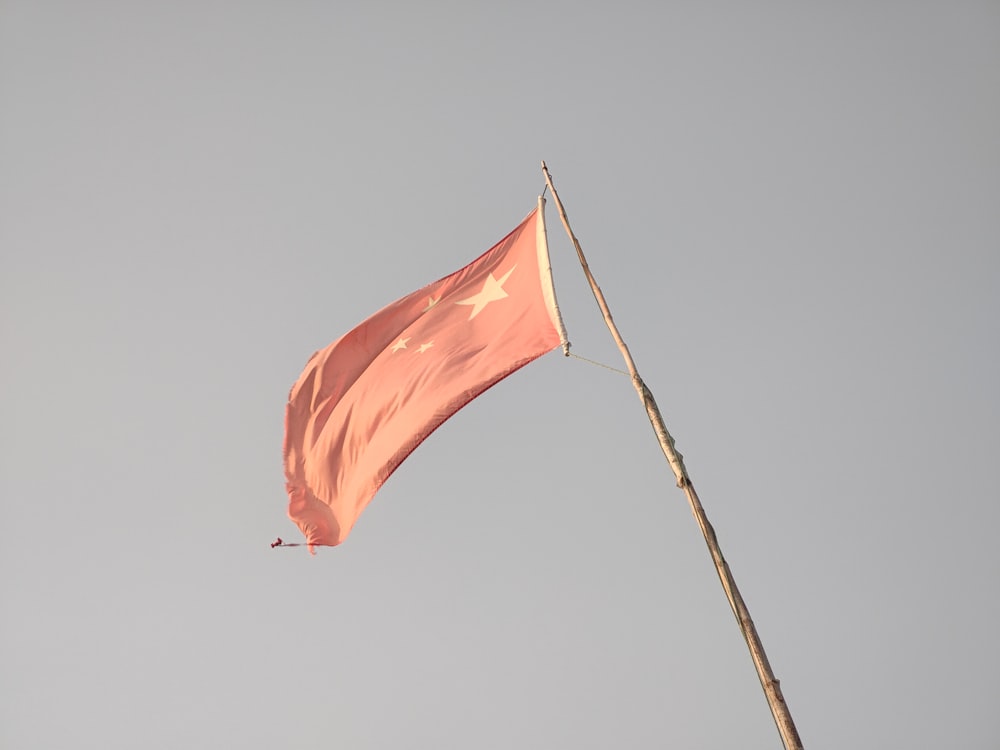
<point x="772" y="688"/>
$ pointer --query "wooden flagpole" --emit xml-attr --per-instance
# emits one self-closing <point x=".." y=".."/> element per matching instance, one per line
<point x="772" y="688"/>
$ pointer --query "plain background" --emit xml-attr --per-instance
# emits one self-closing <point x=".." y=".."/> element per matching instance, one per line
<point x="794" y="211"/>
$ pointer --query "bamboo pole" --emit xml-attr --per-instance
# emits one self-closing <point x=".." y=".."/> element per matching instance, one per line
<point x="770" y="684"/>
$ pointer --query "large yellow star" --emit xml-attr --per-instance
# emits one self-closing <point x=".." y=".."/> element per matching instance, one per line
<point x="492" y="291"/>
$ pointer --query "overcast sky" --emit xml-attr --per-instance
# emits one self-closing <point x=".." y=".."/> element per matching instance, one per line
<point x="794" y="212"/>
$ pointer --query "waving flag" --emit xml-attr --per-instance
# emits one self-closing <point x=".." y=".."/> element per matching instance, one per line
<point x="366" y="401"/>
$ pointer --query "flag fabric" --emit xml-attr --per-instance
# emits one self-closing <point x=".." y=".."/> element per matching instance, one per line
<point x="366" y="401"/>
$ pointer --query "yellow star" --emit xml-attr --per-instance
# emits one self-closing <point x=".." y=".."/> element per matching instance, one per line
<point x="401" y="344"/>
<point x="431" y="301"/>
<point x="424" y="347"/>
<point x="491" y="292"/>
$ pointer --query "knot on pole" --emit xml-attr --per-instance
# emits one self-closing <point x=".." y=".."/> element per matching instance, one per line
<point x="666" y="440"/>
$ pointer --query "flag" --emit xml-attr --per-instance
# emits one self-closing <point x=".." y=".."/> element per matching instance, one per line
<point x="366" y="401"/>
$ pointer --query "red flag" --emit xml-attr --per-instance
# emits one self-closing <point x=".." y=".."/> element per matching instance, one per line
<point x="365" y="402"/>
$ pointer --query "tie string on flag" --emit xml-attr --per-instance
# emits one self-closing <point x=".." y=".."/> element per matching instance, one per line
<point x="599" y="364"/>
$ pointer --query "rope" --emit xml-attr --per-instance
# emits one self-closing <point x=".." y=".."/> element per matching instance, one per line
<point x="279" y="543"/>
<point x="599" y="364"/>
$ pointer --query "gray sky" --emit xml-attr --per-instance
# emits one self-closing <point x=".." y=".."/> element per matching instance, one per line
<point x="794" y="211"/>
